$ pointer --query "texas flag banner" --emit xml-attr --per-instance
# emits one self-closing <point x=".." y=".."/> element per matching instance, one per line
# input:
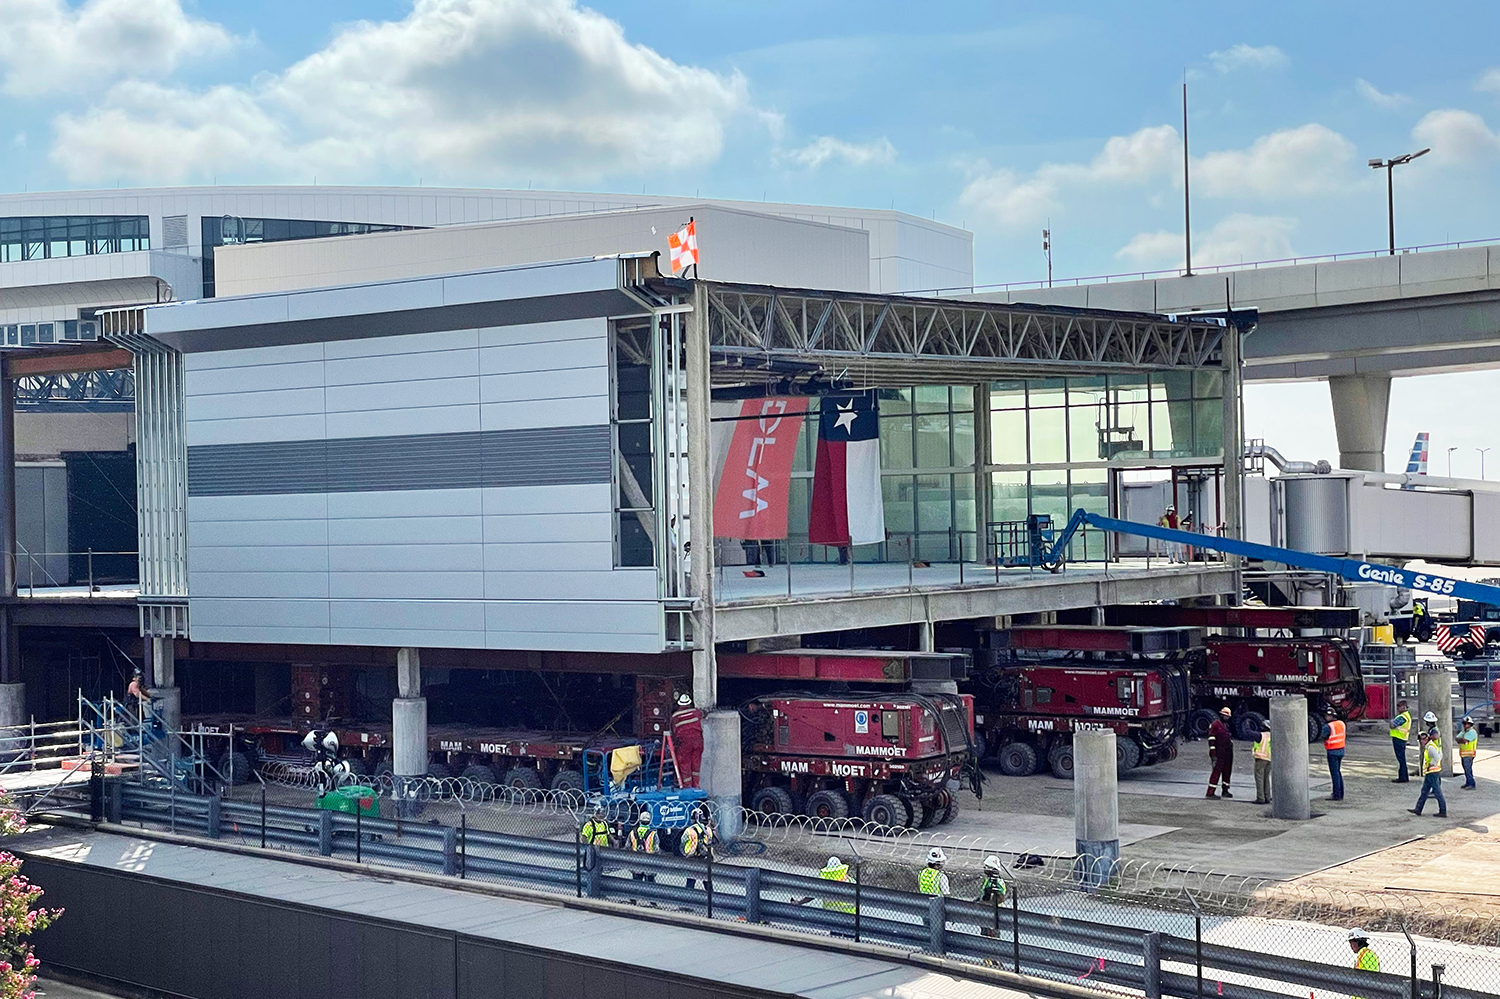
<point x="847" y="506"/>
<point x="751" y="499"/>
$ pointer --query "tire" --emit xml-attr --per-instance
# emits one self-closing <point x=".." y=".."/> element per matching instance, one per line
<point x="1314" y="727"/>
<point x="886" y="810"/>
<point x="1127" y="754"/>
<point x="358" y="767"/>
<point x="1198" y="723"/>
<point x="523" y="778"/>
<point x="1018" y="759"/>
<point x="479" y="773"/>
<point x="828" y="804"/>
<point x="913" y="811"/>
<point x="439" y="771"/>
<point x="235" y="766"/>
<point x="950" y="808"/>
<point x="1060" y="760"/>
<point x="1247" y="726"/>
<point x="569" y="780"/>
<point x="772" y="800"/>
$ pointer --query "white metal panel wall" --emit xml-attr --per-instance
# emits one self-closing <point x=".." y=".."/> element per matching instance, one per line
<point x="433" y="558"/>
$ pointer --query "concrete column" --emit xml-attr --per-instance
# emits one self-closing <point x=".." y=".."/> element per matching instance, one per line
<point x="12" y="704"/>
<point x="1435" y="694"/>
<point x="163" y="652"/>
<point x="1290" y="797"/>
<point x="719" y="773"/>
<point x="700" y="501"/>
<point x="926" y="637"/>
<point x="1096" y="805"/>
<point x="409" y="717"/>
<point x="1360" y="405"/>
<point x="168" y="703"/>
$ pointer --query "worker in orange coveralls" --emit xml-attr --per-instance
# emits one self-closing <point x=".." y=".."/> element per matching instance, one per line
<point x="687" y="739"/>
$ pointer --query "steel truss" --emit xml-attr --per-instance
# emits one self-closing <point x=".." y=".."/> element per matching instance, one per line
<point x="880" y="337"/>
<point x="78" y="391"/>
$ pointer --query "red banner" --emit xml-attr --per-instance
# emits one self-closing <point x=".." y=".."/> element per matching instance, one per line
<point x="753" y="491"/>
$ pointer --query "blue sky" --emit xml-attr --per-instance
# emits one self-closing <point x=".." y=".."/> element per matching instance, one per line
<point x="998" y="117"/>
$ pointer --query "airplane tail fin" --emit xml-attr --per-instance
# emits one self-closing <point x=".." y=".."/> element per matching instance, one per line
<point x="1417" y="463"/>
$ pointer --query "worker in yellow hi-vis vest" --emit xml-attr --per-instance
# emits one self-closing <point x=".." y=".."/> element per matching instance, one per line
<point x="836" y="870"/>
<point x="1365" y="959"/>
<point x="932" y="880"/>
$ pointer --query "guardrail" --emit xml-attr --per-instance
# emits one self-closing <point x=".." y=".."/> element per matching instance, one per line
<point x="1021" y="935"/>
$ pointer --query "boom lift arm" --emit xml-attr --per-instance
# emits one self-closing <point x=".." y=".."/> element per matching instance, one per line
<point x="1348" y="568"/>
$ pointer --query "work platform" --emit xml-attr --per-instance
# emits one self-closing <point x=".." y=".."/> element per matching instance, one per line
<point x="248" y="924"/>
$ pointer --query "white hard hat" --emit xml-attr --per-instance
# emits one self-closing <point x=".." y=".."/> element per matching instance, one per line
<point x="937" y="856"/>
<point x="645" y="817"/>
<point x="684" y="699"/>
<point x="1225" y="710"/>
<point x="992" y="863"/>
<point x="1430" y="718"/>
<point x="1358" y="934"/>
<point x="834" y="862"/>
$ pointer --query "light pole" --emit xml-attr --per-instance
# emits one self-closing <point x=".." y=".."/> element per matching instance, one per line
<point x="1481" y="451"/>
<point x="1390" y="198"/>
<point x="1450" y="461"/>
<point x="1047" y="249"/>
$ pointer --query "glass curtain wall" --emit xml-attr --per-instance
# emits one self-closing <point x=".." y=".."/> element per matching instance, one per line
<point x="44" y="237"/>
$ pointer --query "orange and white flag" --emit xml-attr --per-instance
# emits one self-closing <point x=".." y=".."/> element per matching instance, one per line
<point x="684" y="246"/>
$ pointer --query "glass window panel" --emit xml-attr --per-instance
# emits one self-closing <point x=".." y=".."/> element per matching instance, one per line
<point x="1046" y="392"/>
<point x="934" y="502"/>
<point x="799" y="506"/>
<point x="895" y="442"/>
<point x="1085" y="391"/>
<point x="1089" y="490"/>
<point x="1171" y="428"/>
<point x="1208" y="427"/>
<point x="1049" y="494"/>
<point x="892" y="401"/>
<point x="1083" y="434"/>
<point x="933" y="449"/>
<point x="45" y="334"/>
<point x="963" y="439"/>
<point x="932" y="398"/>
<point x="1007" y="395"/>
<point x="935" y="548"/>
<point x="963" y="502"/>
<point x="807" y="443"/>
<point x="900" y="492"/>
<point x="1172" y="385"/>
<point x="1208" y="384"/>
<point x="1008" y="496"/>
<point x="1008" y="437"/>
<point x="1049" y="435"/>
<point x="963" y="398"/>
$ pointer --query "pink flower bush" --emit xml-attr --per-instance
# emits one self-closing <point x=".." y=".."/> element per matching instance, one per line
<point x="19" y="916"/>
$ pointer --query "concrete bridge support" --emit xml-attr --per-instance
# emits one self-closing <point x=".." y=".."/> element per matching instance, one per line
<point x="409" y="717"/>
<point x="1360" y="406"/>
<point x="1096" y="806"/>
<point x="1290" y="794"/>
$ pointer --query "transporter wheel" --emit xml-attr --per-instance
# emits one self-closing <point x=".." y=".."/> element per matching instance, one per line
<point x="1127" y="753"/>
<point x="235" y="766"/>
<point x="950" y="807"/>
<point x="886" y="810"/>
<point x="925" y="812"/>
<point x="1060" y="760"/>
<point x="439" y="771"/>
<point x="524" y="778"/>
<point x="479" y="773"/>
<point x="828" y="804"/>
<point x="1247" y="726"/>
<point x="358" y="766"/>
<point x="568" y="783"/>
<point x="1315" y="715"/>
<point x="772" y="800"/>
<point x="1198" y="723"/>
<point x="1018" y="759"/>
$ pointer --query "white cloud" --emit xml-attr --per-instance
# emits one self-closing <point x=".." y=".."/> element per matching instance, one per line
<point x="48" y="46"/>
<point x="1016" y="201"/>
<point x="825" y="148"/>
<point x="1489" y="81"/>
<point x="1244" y="56"/>
<point x="1296" y="161"/>
<point x="1235" y="239"/>
<point x="464" y="88"/>
<point x="1389" y="102"/>
<point x="1456" y="135"/>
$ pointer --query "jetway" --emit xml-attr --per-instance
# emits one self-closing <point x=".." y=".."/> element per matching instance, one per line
<point x="1377" y="516"/>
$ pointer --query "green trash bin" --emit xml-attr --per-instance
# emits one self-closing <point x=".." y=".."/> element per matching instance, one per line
<point x="356" y="799"/>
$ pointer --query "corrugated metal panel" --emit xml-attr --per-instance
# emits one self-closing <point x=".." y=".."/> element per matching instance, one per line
<point x="490" y="458"/>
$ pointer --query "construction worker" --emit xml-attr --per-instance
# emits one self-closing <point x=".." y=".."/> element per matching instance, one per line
<point x="1421" y="621"/>
<point x="932" y="880"/>
<point x="1262" y="753"/>
<point x="1334" y="737"/>
<point x="595" y="831"/>
<point x="993" y="890"/>
<point x="1169" y="521"/>
<point x="643" y="839"/>
<point x="1468" y="747"/>
<point x="1400" y="733"/>
<point x="137" y="688"/>
<point x="836" y="870"/>
<point x="1429" y="721"/>
<point x="1221" y="752"/>
<point x="697" y="841"/>
<point x="1432" y="776"/>
<point x="1365" y="959"/>
<point x="687" y="739"/>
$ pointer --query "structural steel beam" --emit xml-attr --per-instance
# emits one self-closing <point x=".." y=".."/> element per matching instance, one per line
<point x="31" y="362"/>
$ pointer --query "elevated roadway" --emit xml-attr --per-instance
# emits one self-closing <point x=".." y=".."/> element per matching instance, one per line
<point x="1355" y="323"/>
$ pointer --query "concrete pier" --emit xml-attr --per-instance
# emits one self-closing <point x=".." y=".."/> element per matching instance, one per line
<point x="409" y="717"/>
<point x="1290" y="758"/>
<point x="1435" y="694"/>
<point x="12" y="704"/>
<point x="719" y="774"/>
<point x="1096" y="806"/>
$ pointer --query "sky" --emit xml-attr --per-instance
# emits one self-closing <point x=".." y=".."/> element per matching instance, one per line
<point x="1003" y="118"/>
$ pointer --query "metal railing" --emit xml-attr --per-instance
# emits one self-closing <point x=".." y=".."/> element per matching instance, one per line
<point x="1026" y="933"/>
<point x="37" y="570"/>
